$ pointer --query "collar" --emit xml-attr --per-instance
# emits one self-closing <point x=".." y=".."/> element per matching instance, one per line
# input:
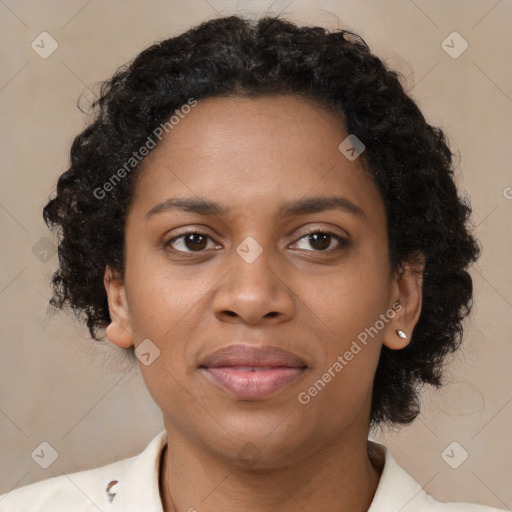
<point x="139" y="488"/>
<point x="397" y="490"/>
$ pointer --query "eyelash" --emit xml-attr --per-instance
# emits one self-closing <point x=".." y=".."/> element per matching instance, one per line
<point x="343" y="242"/>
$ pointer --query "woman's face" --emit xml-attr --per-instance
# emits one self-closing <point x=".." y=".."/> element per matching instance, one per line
<point x="252" y="276"/>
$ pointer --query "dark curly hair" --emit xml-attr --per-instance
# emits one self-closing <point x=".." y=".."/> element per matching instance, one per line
<point x="407" y="158"/>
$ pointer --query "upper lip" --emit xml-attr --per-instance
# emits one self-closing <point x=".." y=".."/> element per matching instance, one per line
<point x="252" y="355"/>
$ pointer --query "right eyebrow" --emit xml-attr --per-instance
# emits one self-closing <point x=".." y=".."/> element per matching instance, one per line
<point x="187" y="204"/>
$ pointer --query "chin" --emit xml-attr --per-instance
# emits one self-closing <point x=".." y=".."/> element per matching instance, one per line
<point x="258" y="441"/>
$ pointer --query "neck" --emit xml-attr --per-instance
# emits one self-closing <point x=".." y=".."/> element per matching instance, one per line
<point x="340" y="477"/>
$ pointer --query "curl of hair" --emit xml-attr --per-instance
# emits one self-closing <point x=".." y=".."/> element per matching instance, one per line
<point x="408" y="159"/>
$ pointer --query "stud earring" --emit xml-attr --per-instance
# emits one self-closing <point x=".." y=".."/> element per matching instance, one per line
<point x="401" y="334"/>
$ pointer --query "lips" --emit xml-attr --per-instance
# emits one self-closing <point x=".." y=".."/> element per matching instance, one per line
<point x="252" y="372"/>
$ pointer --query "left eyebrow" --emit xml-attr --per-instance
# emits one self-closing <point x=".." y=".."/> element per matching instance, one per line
<point x="302" y="206"/>
<point x="308" y="205"/>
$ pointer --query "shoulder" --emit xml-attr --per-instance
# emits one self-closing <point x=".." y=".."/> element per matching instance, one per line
<point x="76" y="492"/>
<point x="432" y="505"/>
<point x="89" y="490"/>
<point x="81" y="491"/>
<point x="397" y="490"/>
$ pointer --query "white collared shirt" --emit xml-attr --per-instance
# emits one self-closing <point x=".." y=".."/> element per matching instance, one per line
<point x="132" y="485"/>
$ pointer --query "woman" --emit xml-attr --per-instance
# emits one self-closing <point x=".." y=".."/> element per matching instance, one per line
<point x="263" y="218"/>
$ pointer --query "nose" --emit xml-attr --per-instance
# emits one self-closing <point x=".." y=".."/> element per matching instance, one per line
<point x="253" y="292"/>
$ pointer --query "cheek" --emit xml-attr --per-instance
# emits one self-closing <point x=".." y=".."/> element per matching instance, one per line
<point x="162" y="299"/>
<point x="347" y="307"/>
<point x="166" y="306"/>
<point x="164" y="309"/>
<point x="349" y="299"/>
<point x="351" y="350"/>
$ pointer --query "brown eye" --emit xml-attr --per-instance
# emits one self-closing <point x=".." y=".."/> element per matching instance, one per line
<point x="188" y="242"/>
<point x="195" y="242"/>
<point x="321" y="241"/>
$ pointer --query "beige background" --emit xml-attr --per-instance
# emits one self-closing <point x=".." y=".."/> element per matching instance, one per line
<point x="60" y="387"/>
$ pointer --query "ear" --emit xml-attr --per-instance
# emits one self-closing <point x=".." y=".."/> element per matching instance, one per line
<point x="407" y="295"/>
<point x="119" y="330"/>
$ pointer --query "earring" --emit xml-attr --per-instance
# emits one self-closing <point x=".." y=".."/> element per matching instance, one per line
<point x="401" y="334"/>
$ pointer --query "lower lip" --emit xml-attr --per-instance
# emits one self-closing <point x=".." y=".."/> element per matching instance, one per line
<point x="253" y="384"/>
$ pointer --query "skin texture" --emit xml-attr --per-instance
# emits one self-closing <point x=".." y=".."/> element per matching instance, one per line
<point x="250" y="155"/>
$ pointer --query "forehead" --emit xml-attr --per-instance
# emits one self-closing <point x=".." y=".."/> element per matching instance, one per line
<point x="249" y="151"/>
<point x="238" y="124"/>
